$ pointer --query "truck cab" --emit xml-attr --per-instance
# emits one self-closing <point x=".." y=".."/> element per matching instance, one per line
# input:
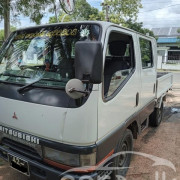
<point x="74" y="94"/>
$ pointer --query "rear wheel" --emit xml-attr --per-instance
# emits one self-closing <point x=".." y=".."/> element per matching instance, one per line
<point x="156" y="117"/>
<point x="122" y="161"/>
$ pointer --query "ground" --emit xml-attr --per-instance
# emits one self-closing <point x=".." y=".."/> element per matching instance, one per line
<point x="162" y="142"/>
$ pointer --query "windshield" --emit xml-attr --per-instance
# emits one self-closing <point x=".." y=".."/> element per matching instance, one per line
<point x="43" y="53"/>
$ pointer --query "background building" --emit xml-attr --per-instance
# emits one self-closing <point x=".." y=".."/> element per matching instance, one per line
<point x="168" y="44"/>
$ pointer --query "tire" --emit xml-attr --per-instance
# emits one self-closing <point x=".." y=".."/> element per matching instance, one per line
<point x="156" y="117"/>
<point x="126" y="144"/>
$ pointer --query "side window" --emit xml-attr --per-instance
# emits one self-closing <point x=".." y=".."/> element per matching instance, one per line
<point x="119" y="62"/>
<point x="146" y="53"/>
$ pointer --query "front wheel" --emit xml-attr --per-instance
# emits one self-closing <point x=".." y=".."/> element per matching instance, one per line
<point x="156" y="117"/>
<point x="122" y="161"/>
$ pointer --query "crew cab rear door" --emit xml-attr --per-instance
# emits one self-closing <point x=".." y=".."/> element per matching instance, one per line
<point x="147" y="52"/>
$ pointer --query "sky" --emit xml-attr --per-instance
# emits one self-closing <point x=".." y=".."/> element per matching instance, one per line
<point x="155" y="13"/>
<point x="160" y="13"/>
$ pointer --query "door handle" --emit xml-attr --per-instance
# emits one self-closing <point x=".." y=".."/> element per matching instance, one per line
<point x="154" y="89"/>
<point x="137" y="99"/>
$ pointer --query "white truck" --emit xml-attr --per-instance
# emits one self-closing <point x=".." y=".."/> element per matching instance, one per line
<point x="73" y="95"/>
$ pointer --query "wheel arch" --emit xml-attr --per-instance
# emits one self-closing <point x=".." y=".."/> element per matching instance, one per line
<point x="134" y="129"/>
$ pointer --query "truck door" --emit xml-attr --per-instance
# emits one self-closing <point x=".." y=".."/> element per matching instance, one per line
<point x="148" y="75"/>
<point x="119" y="95"/>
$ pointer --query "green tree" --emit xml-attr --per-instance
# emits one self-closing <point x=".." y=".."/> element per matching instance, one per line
<point x="5" y="14"/>
<point x="122" y="10"/>
<point x="31" y="8"/>
<point x="54" y="8"/>
<point x="138" y="27"/>
<point x="1" y="37"/>
<point x="62" y="16"/>
<point x="97" y="17"/>
<point x="2" y="34"/>
<point x="83" y="11"/>
<point x="125" y="12"/>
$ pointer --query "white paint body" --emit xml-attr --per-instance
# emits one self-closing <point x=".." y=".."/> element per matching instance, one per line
<point x="95" y="119"/>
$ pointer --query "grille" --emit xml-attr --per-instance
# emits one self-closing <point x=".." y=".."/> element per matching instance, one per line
<point x="21" y="149"/>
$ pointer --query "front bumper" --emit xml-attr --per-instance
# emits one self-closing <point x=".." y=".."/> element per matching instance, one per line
<point x="42" y="171"/>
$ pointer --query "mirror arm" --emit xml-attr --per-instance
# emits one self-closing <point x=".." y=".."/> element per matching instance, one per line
<point x="75" y="90"/>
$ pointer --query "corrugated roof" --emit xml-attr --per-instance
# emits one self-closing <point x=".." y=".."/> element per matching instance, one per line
<point x="166" y="31"/>
<point x="168" y="40"/>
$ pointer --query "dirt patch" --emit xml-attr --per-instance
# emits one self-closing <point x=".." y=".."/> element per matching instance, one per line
<point x="149" y="135"/>
<point x="167" y="114"/>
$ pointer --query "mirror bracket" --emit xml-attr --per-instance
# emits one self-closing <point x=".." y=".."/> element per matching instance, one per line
<point x="86" y="93"/>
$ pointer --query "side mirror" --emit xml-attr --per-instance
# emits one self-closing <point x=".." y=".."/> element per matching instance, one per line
<point x="89" y="61"/>
<point x="75" y="89"/>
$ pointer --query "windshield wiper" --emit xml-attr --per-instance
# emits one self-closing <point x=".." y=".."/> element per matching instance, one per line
<point x="54" y="80"/>
<point x="13" y="75"/>
<point x="29" y="85"/>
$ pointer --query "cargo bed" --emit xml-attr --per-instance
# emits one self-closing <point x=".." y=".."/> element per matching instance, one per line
<point x="164" y="83"/>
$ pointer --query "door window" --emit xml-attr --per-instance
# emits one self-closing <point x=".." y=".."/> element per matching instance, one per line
<point x="119" y="63"/>
<point x="146" y="53"/>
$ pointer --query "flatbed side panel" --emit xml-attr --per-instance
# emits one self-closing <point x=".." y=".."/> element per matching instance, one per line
<point x="164" y="83"/>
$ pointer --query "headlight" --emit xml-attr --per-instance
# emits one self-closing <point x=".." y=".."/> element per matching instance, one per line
<point x="88" y="160"/>
<point x="70" y="159"/>
<point x="61" y="157"/>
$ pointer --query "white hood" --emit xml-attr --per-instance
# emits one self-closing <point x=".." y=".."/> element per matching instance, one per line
<point x="71" y="126"/>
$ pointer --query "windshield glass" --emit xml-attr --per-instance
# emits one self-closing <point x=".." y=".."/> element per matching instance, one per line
<point x="46" y="53"/>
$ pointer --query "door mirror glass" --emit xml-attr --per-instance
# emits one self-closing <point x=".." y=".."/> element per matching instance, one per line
<point x="75" y="88"/>
<point x="89" y="61"/>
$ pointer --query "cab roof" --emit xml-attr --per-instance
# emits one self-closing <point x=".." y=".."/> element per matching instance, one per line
<point x="103" y="24"/>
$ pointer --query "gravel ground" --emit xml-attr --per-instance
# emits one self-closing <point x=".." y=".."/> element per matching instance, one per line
<point x="162" y="142"/>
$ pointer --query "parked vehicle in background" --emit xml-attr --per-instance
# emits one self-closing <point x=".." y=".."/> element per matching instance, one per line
<point x="73" y="94"/>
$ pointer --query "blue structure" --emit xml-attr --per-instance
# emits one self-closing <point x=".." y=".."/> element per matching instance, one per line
<point x="168" y="43"/>
<point x="168" y="40"/>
